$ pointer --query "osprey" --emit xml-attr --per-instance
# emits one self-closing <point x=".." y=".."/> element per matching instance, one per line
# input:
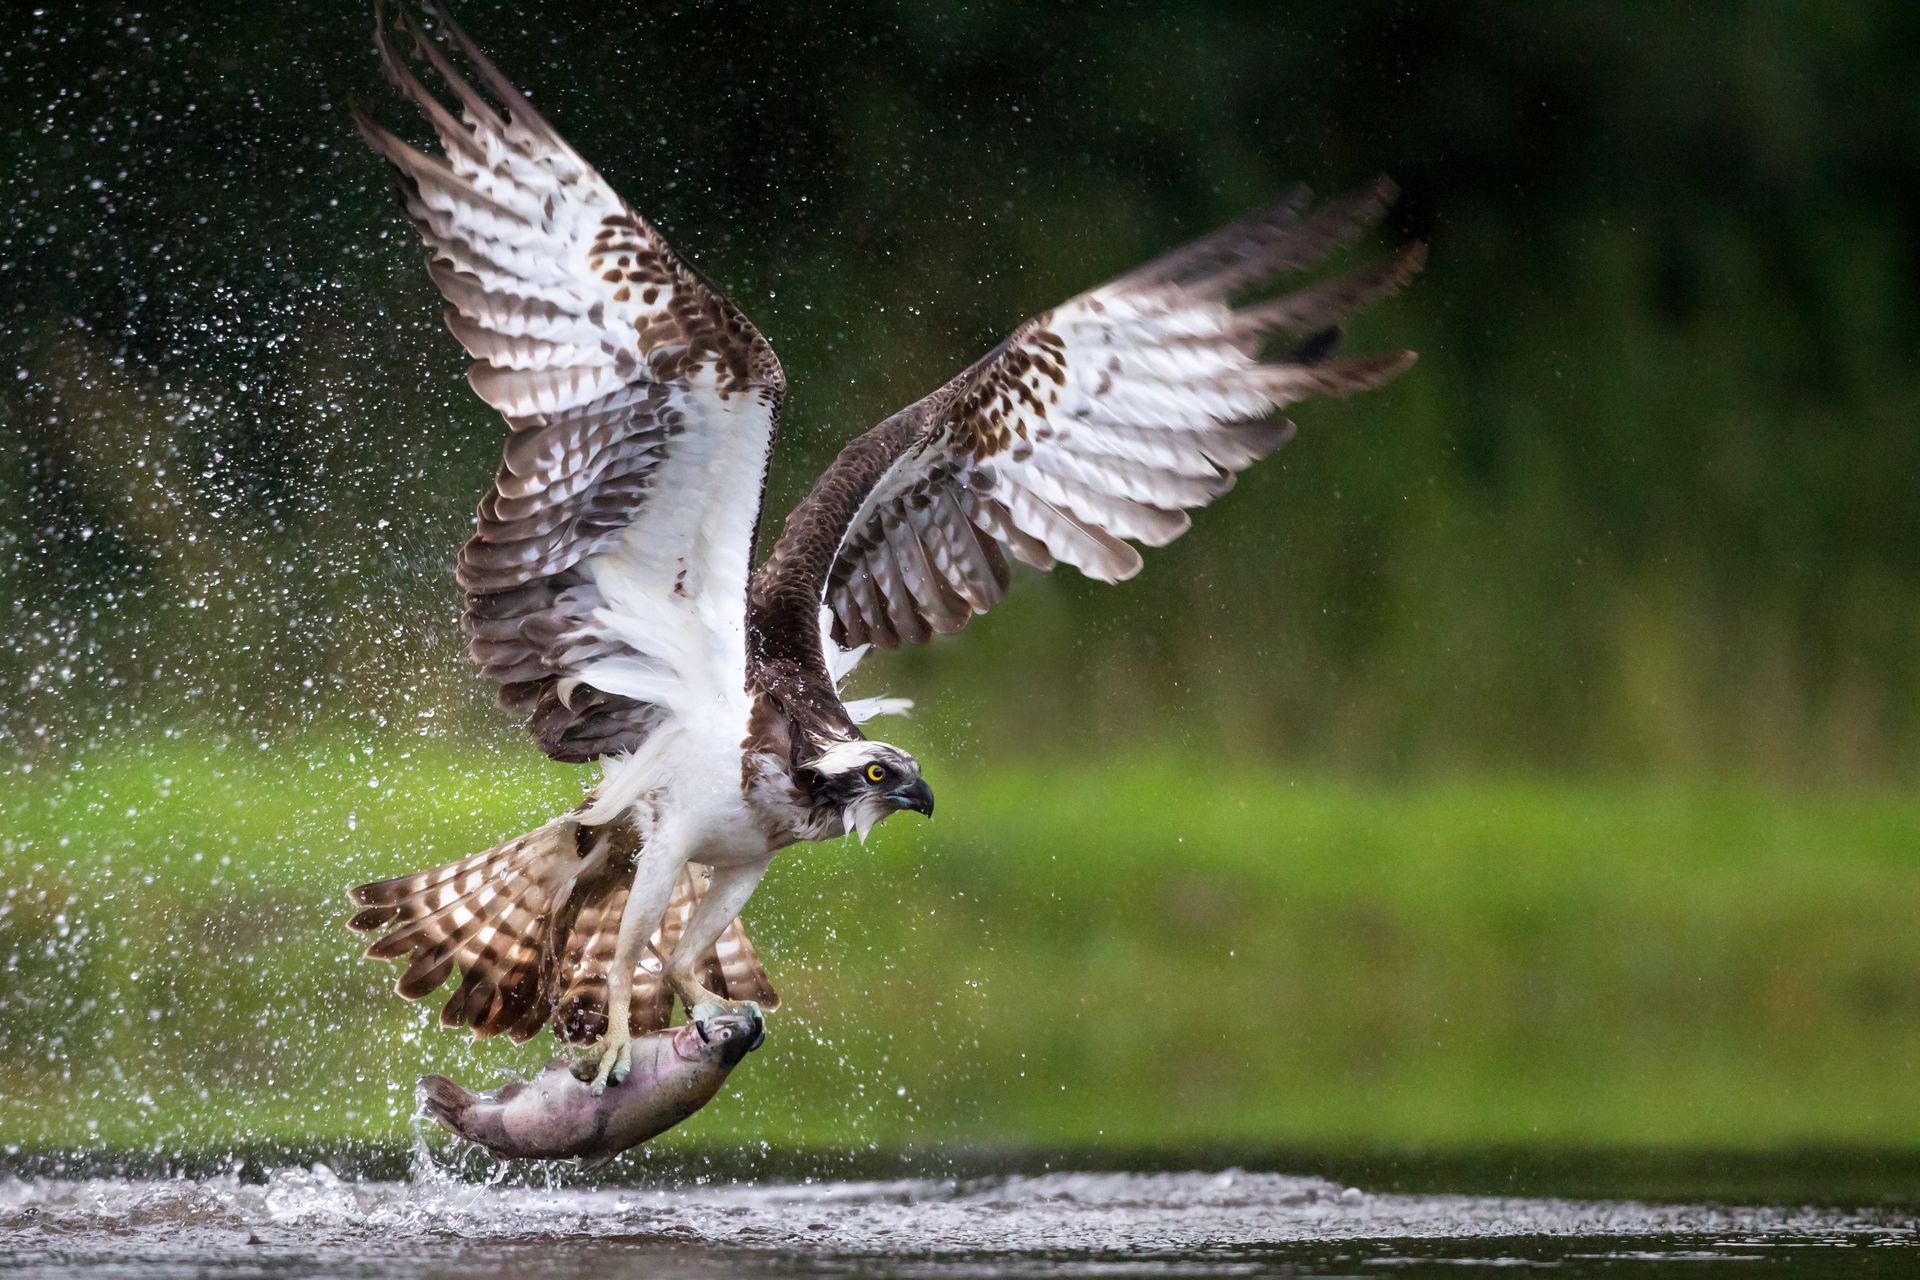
<point x="609" y="586"/>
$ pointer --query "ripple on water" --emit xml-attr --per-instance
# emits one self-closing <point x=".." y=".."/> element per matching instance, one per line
<point x="1103" y="1222"/>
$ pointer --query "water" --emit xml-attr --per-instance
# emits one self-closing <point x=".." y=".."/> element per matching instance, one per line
<point x="309" y="1221"/>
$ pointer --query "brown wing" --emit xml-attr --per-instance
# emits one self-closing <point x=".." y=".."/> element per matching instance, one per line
<point x="1094" y="426"/>
<point x="642" y="406"/>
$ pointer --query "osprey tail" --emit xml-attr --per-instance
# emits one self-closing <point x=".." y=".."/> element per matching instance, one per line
<point x="490" y="916"/>
<point x="531" y="926"/>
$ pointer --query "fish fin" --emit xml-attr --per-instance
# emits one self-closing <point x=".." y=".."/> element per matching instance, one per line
<point x="443" y="1097"/>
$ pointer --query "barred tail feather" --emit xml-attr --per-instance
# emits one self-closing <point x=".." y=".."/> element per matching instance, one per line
<point x="740" y="974"/>
<point x="581" y="1013"/>
<point x="488" y="916"/>
<point x="531" y="927"/>
<point x="580" y="1009"/>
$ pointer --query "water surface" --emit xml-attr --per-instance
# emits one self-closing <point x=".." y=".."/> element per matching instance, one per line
<point x="312" y="1222"/>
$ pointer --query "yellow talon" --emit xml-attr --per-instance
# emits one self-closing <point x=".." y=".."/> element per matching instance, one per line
<point x="616" y="1060"/>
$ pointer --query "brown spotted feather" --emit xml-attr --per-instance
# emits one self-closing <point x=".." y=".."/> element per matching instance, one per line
<point x="531" y="926"/>
<point x="596" y="342"/>
<point x="1095" y="426"/>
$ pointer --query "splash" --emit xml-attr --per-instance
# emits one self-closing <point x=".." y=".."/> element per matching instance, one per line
<point x="315" y="1217"/>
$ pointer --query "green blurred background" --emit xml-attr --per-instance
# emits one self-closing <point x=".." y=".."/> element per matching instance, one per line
<point x="1526" y="756"/>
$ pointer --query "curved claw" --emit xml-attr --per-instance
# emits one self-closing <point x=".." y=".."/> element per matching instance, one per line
<point x="616" y="1061"/>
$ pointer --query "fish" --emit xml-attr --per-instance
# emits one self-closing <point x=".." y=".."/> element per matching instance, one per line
<point x="557" y="1115"/>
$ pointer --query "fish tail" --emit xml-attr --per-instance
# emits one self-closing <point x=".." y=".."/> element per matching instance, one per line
<point x="445" y="1099"/>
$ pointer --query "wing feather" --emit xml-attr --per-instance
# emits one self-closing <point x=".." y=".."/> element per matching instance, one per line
<point x="1095" y="426"/>
<point x="642" y="407"/>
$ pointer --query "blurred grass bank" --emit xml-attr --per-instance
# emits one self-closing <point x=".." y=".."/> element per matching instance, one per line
<point x="1159" y="951"/>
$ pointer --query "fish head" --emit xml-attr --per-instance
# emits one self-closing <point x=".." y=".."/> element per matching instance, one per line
<point x="725" y="1036"/>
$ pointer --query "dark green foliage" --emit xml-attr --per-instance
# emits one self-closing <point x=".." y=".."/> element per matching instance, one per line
<point x="1648" y="502"/>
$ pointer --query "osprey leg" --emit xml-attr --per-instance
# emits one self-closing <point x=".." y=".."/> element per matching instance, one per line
<point x="726" y="894"/>
<point x="654" y="874"/>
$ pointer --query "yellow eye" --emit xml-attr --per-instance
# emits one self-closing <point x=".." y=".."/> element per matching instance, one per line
<point x="876" y="773"/>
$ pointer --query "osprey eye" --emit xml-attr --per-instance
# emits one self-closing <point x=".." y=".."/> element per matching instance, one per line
<point x="876" y="773"/>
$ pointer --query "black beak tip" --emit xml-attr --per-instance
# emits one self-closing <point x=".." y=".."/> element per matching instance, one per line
<point x="918" y="797"/>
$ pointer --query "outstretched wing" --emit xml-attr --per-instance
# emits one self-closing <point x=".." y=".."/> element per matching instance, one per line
<point x="606" y="577"/>
<point x="1095" y="426"/>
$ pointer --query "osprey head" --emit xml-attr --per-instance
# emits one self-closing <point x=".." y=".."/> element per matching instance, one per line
<point x="865" y="781"/>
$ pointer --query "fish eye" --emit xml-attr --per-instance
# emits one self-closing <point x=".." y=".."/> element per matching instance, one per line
<point x="876" y="773"/>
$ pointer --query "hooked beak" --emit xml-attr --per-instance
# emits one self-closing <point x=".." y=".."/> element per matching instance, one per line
<point x="918" y="797"/>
